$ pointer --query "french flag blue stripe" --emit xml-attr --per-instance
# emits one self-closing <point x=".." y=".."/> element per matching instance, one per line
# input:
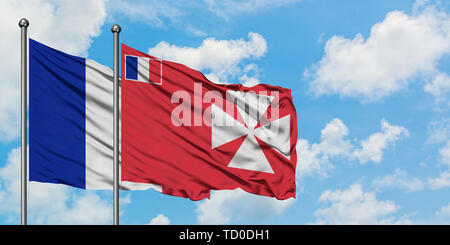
<point x="57" y="120"/>
<point x="131" y="67"/>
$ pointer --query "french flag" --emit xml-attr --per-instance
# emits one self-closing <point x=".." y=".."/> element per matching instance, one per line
<point x="71" y="120"/>
<point x="143" y="69"/>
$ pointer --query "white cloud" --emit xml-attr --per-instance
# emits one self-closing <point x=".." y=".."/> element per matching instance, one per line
<point x="160" y="219"/>
<point x="445" y="153"/>
<point x="354" y="206"/>
<point x="399" y="180"/>
<point x="438" y="131"/>
<point x="10" y="183"/>
<point x="65" y="25"/>
<point x="228" y="206"/>
<point x="125" y="199"/>
<point x="250" y="74"/>
<point x="402" y="220"/>
<point x="227" y="8"/>
<point x="49" y="203"/>
<point x="87" y="208"/>
<point x="419" y="5"/>
<point x="332" y="138"/>
<point x="387" y="60"/>
<point x="219" y="59"/>
<point x="372" y="148"/>
<point x="444" y="211"/>
<point x="440" y="182"/>
<point x="249" y="81"/>
<point x="439" y="86"/>
<point x="443" y="180"/>
<point x="316" y="158"/>
<point x="311" y="160"/>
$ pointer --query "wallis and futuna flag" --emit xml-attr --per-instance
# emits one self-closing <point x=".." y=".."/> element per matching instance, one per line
<point x="188" y="135"/>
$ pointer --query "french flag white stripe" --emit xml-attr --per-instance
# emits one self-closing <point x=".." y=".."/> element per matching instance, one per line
<point x="143" y="69"/>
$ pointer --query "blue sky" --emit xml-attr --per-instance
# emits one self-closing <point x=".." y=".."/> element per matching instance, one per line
<point x="370" y="82"/>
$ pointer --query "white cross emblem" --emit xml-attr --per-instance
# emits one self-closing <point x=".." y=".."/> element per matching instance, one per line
<point x="251" y="106"/>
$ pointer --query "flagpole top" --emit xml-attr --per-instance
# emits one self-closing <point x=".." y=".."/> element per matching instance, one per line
<point x="24" y="23"/>
<point x="115" y="28"/>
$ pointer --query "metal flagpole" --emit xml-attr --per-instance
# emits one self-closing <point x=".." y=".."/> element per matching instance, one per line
<point x="116" y="30"/>
<point x="23" y="23"/>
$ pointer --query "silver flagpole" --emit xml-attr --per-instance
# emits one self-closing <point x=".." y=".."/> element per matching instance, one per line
<point x="116" y="30"/>
<point x="23" y="23"/>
